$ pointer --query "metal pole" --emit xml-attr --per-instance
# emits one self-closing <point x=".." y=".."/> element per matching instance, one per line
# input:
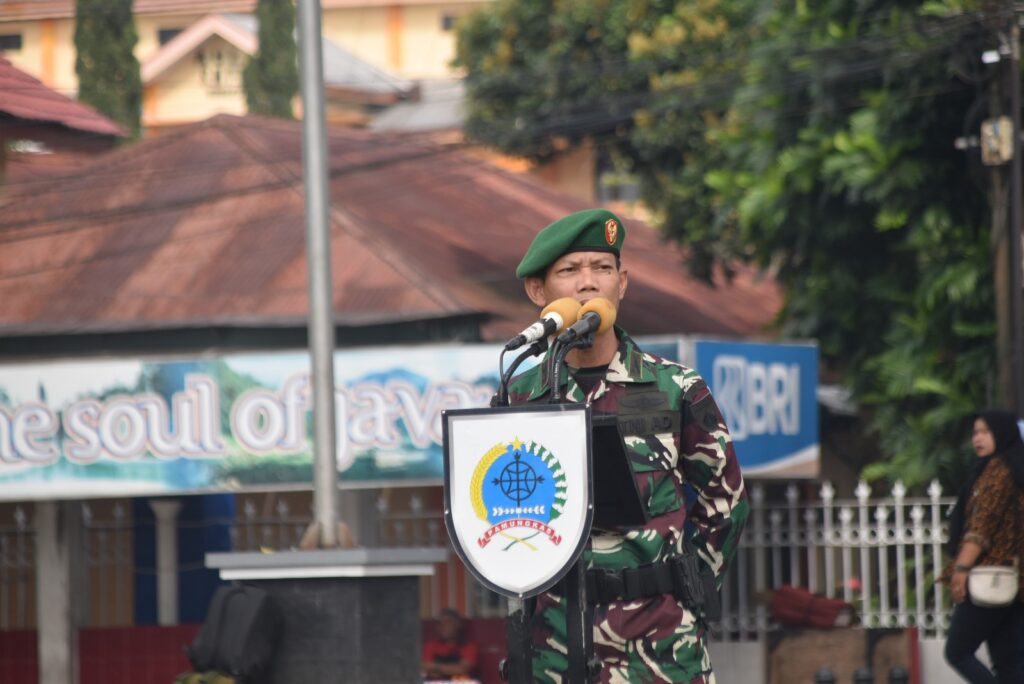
<point x="518" y="667"/>
<point x="1014" y="228"/>
<point x="578" y="629"/>
<point x="318" y="257"/>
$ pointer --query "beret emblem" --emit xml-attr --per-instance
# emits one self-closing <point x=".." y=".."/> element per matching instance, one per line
<point x="611" y="231"/>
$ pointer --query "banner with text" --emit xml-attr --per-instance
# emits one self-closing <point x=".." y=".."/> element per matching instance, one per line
<point x="114" y="428"/>
<point x="96" y="428"/>
<point x="768" y="395"/>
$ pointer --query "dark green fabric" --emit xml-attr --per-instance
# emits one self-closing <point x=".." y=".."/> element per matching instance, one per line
<point x="591" y="230"/>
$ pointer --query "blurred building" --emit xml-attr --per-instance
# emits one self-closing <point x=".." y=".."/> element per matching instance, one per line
<point x="192" y="52"/>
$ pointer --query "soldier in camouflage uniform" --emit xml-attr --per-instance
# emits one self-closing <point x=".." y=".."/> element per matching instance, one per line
<point x="675" y="436"/>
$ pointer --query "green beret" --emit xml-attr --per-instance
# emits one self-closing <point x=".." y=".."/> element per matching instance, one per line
<point x="592" y="230"/>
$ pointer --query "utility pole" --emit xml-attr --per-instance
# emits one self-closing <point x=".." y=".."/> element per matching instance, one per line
<point x="1000" y="143"/>
<point x="1016" y="398"/>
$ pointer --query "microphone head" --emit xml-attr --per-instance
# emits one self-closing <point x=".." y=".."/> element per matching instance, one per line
<point x="567" y="308"/>
<point x="603" y="308"/>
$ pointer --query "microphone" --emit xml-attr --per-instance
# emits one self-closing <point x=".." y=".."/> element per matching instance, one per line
<point x="597" y="315"/>
<point x="554" y="318"/>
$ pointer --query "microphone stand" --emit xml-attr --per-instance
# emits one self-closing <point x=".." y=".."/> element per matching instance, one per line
<point x="517" y="667"/>
<point x="537" y="347"/>
<point x="556" y="360"/>
<point x="579" y="619"/>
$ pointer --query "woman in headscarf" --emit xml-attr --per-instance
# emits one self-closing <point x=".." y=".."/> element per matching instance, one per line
<point x="986" y="529"/>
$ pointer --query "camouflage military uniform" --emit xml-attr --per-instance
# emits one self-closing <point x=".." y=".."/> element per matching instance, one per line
<point x="654" y="639"/>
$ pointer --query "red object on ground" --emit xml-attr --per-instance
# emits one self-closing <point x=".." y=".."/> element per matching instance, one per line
<point x="798" y="607"/>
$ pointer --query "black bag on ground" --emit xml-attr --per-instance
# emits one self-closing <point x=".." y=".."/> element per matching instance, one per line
<point x="239" y="635"/>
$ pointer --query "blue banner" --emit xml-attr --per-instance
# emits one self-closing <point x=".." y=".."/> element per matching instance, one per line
<point x="767" y="393"/>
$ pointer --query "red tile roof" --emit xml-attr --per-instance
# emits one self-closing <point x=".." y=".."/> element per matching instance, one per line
<point x="26" y="99"/>
<point x="22" y="10"/>
<point x="23" y="167"/>
<point x="205" y="226"/>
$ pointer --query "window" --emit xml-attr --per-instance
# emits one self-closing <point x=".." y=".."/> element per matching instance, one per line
<point x="167" y="35"/>
<point x="10" y="41"/>
<point x="221" y="69"/>
<point x="448" y="22"/>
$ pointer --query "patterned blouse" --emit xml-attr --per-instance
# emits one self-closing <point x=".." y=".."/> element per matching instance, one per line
<point x="990" y="521"/>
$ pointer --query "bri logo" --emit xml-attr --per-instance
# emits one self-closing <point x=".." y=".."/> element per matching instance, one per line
<point x="757" y="398"/>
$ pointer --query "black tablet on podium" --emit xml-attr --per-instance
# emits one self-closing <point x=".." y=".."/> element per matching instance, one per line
<point x="616" y="497"/>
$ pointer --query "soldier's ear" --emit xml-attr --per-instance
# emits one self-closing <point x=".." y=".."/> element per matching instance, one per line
<point x="623" y="282"/>
<point x="535" y="290"/>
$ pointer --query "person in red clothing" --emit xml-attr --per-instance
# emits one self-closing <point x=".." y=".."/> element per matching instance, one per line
<point x="449" y="656"/>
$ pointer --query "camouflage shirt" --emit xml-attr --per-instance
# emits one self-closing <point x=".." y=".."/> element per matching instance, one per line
<point x="675" y="436"/>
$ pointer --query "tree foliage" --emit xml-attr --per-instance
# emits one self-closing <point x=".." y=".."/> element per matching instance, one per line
<point x="814" y="140"/>
<point x="271" y="78"/>
<point x="107" y="70"/>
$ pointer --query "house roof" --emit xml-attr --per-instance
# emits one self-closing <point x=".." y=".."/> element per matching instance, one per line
<point x="205" y="226"/>
<point x="439" y="107"/>
<point x="20" y="10"/>
<point x="25" y="100"/>
<point x="341" y="69"/>
<point x="169" y="54"/>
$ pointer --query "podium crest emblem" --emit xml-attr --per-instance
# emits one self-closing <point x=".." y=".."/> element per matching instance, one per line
<point x="518" y="492"/>
<point x="519" y="489"/>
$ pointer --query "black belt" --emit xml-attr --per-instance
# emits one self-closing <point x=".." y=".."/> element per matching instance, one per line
<point x="680" y="576"/>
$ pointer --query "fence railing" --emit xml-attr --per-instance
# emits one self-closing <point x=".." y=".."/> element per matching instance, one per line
<point x="881" y="554"/>
<point x="17" y="570"/>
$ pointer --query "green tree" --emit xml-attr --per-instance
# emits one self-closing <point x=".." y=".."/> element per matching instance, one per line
<point x="811" y="139"/>
<point x="271" y="78"/>
<point x="843" y="176"/>
<point x="107" y="70"/>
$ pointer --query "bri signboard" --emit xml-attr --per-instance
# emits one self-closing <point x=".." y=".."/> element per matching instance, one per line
<point x="768" y="395"/>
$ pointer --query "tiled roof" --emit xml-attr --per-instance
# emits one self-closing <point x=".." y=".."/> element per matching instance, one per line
<point x="205" y="226"/>
<point x="26" y="99"/>
<point x="32" y="167"/>
<point x="342" y="69"/>
<point x="20" y="10"/>
<point x="439" y="107"/>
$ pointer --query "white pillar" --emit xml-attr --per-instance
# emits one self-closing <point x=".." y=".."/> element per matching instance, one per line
<point x="57" y="638"/>
<point x="166" y="511"/>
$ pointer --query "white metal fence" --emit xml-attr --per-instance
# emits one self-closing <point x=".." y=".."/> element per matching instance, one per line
<point x="880" y="554"/>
